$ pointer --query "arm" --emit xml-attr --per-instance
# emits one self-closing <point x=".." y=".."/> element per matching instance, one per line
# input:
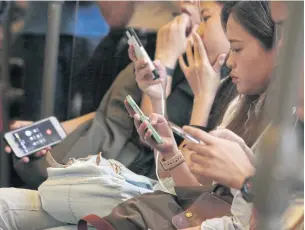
<point x="149" y="105"/>
<point x="70" y="125"/>
<point x="201" y="109"/>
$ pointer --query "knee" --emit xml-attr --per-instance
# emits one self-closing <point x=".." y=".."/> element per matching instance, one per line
<point x="7" y="199"/>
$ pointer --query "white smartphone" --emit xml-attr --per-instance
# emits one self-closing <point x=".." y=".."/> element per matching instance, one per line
<point x="181" y="133"/>
<point x="37" y="136"/>
<point x="140" y="52"/>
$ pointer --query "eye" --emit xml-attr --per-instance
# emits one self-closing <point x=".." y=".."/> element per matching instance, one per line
<point x="235" y="50"/>
<point x="206" y="18"/>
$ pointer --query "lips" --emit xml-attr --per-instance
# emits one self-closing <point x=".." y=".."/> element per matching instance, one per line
<point x="234" y="79"/>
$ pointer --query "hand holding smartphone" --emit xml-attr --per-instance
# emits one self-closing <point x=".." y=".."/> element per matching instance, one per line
<point x="143" y="118"/>
<point x="35" y="137"/>
<point x="140" y="52"/>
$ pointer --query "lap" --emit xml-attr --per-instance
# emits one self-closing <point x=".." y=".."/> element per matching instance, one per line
<point x="69" y="227"/>
<point x="21" y="209"/>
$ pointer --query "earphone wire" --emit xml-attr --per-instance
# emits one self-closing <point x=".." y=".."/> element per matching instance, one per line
<point x="163" y="98"/>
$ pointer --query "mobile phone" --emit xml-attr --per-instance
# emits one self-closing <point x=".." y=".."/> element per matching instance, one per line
<point x="143" y="118"/>
<point x="141" y="54"/>
<point x="181" y="133"/>
<point x="35" y="137"/>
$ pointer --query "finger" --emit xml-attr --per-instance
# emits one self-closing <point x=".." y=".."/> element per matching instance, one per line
<point x="7" y="149"/>
<point x="159" y="66"/>
<point x="182" y="64"/>
<point x="203" y="161"/>
<point x="200" y="135"/>
<point x="227" y="135"/>
<point x="200" y="171"/>
<point x="189" y="54"/>
<point x="152" y="142"/>
<point x="219" y="62"/>
<point x="132" y="54"/>
<point x="129" y="109"/>
<point x="203" y="150"/>
<point x="25" y="160"/>
<point x="48" y="148"/>
<point x="194" y="29"/>
<point x="137" y="120"/>
<point x="41" y="153"/>
<point x="19" y="124"/>
<point x="202" y="54"/>
<point x="197" y="56"/>
<point x="156" y="118"/>
<point x="140" y="64"/>
<point x="142" y="130"/>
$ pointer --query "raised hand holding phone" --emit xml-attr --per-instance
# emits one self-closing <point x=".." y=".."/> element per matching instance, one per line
<point x="140" y="52"/>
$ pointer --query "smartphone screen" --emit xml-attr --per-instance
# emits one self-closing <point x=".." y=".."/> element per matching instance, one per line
<point x="181" y="133"/>
<point x="35" y="137"/>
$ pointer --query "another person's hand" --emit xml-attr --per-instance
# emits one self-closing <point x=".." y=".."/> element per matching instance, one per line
<point x="19" y="124"/>
<point x="221" y="160"/>
<point x="169" y="147"/>
<point x="144" y="76"/>
<point x="172" y="38"/>
<point x="202" y="77"/>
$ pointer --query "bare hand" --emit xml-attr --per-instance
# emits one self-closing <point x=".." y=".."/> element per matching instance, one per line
<point x="19" y="124"/>
<point x="144" y="76"/>
<point x="202" y="77"/>
<point x="219" y="159"/>
<point x="172" y="39"/>
<point x="169" y="147"/>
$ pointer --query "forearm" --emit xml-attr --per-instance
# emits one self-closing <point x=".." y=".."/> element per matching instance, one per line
<point x="149" y="105"/>
<point x="201" y="110"/>
<point x="181" y="175"/>
<point x="70" y="125"/>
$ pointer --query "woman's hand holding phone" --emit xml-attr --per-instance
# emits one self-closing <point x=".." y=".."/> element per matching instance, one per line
<point x="144" y="76"/>
<point x="19" y="124"/>
<point x="160" y="124"/>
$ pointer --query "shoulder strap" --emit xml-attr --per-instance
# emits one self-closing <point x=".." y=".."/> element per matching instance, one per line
<point x="95" y="221"/>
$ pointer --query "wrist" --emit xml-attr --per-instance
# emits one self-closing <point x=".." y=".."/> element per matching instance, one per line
<point x="204" y="98"/>
<point x="171" y="154"/>
<point x="167" y="60"/>
<point x="240" y="180"/>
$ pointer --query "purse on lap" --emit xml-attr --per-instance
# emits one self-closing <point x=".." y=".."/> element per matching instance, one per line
<point x="160" y="210"/>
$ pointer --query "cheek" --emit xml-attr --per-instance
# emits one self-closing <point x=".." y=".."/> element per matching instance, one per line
<point x="255" y="70"/>
<point x="216" y="42"/>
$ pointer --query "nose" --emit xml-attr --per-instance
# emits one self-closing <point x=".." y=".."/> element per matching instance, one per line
<point x="230" y="63"/>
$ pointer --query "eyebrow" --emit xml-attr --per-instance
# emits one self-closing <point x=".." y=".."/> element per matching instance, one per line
<point x="234" y="40"/>
<point x="205" y="10"/>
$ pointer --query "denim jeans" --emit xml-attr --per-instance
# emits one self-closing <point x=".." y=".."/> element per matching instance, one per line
<point x="89" y="186"/>
<point x="21" y="209"/>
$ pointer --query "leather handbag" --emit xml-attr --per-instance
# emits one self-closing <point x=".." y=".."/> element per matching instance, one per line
<point x="160" y="210"/>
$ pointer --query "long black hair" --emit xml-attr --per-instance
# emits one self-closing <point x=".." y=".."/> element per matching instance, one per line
<point x="255" y="18"/>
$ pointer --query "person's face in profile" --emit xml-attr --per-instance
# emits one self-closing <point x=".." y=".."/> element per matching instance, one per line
<point x="250" y="61"/>
<point x="211" y="31"/>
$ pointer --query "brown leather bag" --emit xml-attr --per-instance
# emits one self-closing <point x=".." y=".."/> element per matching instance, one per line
<point x="160" y="210"/>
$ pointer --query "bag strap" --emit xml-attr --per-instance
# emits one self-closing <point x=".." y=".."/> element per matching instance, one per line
<point x="95" y="221"/>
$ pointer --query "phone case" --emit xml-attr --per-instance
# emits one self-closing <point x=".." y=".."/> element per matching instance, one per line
<point x="143" y="118"/>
